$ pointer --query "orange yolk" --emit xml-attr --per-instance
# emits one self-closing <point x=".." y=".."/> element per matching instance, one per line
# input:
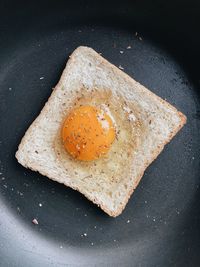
<point x="87" y="133"/>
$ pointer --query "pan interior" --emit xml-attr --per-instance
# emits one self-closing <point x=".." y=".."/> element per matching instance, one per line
<point x="70" y="227"/>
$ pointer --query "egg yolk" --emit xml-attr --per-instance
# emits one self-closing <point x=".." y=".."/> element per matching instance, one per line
<point x="87" y="133"/>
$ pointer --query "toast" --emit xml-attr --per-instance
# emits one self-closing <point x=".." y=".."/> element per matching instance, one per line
<point x="86" y="68"/>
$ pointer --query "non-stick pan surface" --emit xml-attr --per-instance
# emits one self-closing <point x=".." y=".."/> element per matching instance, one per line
<point x="160" y="225"/>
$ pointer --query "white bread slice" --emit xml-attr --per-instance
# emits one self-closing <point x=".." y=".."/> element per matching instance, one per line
<point x="88" y="68"/>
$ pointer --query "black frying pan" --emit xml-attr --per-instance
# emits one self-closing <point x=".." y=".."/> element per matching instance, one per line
<point x="160" y="225"/>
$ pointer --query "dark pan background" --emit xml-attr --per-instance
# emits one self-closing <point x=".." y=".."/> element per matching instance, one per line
<point x="161" y="223"/>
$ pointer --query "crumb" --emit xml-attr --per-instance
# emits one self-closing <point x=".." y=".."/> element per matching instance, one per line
<point x="61" y="247"/>
<point x="154" y="219"/>
<point x="41" y="78"/>
<point x="1" y="173"/>
<point x="92" y="244"/>
<point x="3" y="178"/>
<point x="120" y="67"/>
<point x="40" y="204"/>
<point x="79" y="31"/>
<point x="128" y="47"/>
<point x="35" y="221"/>
<point x="18" y="209"/>
<point x="5" y="186"/>
<point x="140" y="38"/>
<point x="192" y="158"/>
<point x="145" y="202"/>
<point x="100" y="54"/>
<point x="128" y="221"/>
<point x="121" y="51"/>
<point x="136" y="34"/>
<point x="85" y="215"/>
<point x="10" y="89"/>
<point x="95" y="227"/>
<point x="114" y="240"/>
<point x="85" y="234"/>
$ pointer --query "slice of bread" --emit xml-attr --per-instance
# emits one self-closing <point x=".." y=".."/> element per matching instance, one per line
<point x="38" y="148"/>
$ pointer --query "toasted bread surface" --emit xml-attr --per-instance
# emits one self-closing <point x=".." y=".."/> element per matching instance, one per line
<point x="86" y="68"/>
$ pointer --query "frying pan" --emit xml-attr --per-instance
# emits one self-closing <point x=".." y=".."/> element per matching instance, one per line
<point x="160" y="225"/>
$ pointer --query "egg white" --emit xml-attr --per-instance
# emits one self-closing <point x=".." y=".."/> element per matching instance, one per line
<point x="116" y="164"/>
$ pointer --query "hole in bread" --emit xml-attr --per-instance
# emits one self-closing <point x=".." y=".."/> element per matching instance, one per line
<point x="105" y="175"/>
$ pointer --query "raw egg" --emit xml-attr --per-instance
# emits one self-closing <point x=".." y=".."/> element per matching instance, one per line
<point x="87" y="133"/>
<point x="97" y="139"/>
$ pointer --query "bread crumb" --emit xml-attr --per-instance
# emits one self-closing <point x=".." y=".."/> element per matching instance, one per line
<point x="145" y="201"/>
<point x="61" y="247"/>
<point x="154" y="219"/>
<point x="131" y="116"/>
<point x="128" y="221"/>
<point x="35" y="221"/>
<point x="114" y="240"/>
<point x="136" y="33"/>
<point x="10" y="89"/>
<point x="95" y="227"/>
<point x="85" y="215"/>
<point x="92" y="244"/>
<point x="121" y="51"/>
<point x="192" y="158"/>
<point x="41" y="78"/>
<point x="18" y="209"/>
<point x="128" y="47"/>
<point x="85" y="234"/>
<point x="120" y="67"/>
<point x="40" y="204"/>
<point x="140" y="38"/>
